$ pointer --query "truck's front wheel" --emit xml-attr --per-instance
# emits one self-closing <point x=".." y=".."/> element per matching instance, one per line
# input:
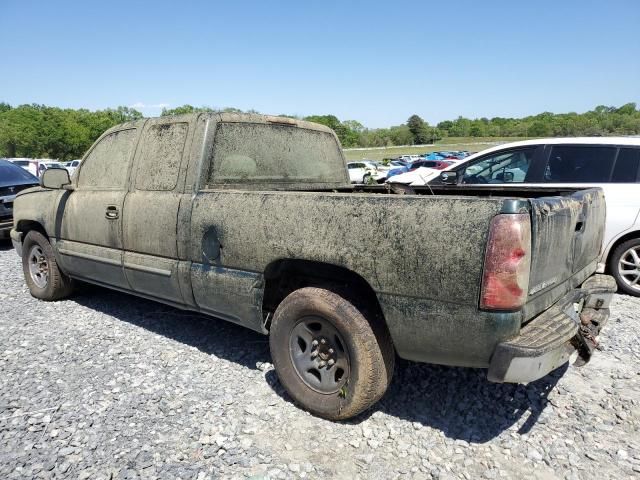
<point x="329" y="358"/>
<point x="41" y="272"/>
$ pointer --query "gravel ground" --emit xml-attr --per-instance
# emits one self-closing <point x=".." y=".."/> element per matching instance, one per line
<point x="106" y="385"/>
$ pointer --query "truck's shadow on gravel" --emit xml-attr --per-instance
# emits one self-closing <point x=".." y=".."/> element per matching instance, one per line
<point x="209" y="335"/>
<point x="462" y="403"/>
<point x="458" y="401"/>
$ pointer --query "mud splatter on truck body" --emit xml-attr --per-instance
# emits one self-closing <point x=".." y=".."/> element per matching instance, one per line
<point x="228" y="214"/>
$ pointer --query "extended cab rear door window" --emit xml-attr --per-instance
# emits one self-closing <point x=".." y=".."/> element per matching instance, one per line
<point x="107" y="165"/>
<point x="580" y="164"/>
<point x="161" y="155"/>
<point x="502" y="167"/>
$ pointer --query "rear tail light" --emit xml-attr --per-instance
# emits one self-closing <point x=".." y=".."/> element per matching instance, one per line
<point x="506" y="263"/>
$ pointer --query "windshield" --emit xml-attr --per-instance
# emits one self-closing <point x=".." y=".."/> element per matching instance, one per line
<point x="264" y="153"/>
<point x="10" y="173"/>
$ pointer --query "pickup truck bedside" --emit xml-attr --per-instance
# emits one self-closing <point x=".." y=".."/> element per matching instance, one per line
<point x="422" y="330"/>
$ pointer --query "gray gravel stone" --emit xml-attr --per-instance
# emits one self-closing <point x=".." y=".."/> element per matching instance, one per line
<point x="105" y="385"/>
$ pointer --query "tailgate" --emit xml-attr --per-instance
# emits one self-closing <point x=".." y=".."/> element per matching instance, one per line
<point x="566" y="236"/>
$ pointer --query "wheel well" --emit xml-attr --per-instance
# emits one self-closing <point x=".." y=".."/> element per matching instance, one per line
<point x="622" y="239"/>
<point x="25" y="226"/>
<point x="284" y="276"/>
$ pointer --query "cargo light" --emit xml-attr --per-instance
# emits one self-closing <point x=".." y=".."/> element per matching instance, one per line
<point x="507" y="262"/>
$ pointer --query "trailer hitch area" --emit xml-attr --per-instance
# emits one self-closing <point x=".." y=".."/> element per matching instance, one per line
<point x="586" y="340"/>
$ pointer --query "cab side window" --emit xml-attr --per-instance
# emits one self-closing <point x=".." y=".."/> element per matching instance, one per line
<point x="161" y="156"/>
<point x="503" y="167"/>
<point x="580" y="164"/>
<point x="626" y="167"/>
<point x="107" y="164"/>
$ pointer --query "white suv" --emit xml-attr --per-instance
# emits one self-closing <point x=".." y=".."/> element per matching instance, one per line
<point x="611" y="163"/>
<point x="358" y="172"/>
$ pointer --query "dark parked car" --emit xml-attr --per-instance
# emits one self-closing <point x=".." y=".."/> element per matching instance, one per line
<point x="12" y="179"/>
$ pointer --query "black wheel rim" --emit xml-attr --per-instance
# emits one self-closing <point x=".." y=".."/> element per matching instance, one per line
<point x="319" y="354"/>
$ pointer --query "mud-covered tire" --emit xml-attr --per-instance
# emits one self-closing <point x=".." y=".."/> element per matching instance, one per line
<point x="365" y="345"/>
<point x="624" y="250"/>
<point x="55" y="285"/>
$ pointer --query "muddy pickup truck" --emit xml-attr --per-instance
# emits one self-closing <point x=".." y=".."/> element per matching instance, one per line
<point x="252" y="219"/>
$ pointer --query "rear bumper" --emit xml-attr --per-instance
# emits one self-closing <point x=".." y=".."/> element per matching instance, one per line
<point x="565" y="332"/>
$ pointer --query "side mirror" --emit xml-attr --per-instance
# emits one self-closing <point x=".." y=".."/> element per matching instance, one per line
<point x="55" y="178"/>
<point x="449" y="178"/>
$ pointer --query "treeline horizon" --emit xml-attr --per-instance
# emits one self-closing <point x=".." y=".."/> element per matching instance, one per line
<point x="40" y="131"/>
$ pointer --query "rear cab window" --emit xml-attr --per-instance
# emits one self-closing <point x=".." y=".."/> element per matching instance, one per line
<point x="257" y="153"/>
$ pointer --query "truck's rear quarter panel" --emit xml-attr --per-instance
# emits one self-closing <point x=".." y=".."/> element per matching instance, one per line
<point x="423" y="257"/>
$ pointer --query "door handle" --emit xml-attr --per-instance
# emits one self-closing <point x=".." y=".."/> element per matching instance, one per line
<point x="112" y="212"/>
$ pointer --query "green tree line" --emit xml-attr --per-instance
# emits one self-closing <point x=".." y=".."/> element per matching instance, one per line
<point x="40" y="131"/>
<point x="602" y="120"/>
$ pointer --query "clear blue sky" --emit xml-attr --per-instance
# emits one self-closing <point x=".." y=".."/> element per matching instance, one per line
<point x="376" y="62"/>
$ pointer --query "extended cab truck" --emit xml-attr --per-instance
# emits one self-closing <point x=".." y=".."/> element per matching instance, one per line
<point x="252" y="219"/>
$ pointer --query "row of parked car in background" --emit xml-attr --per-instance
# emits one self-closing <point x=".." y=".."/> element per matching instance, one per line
<point x="35" y="166"/>
<point x="370" y="171"/>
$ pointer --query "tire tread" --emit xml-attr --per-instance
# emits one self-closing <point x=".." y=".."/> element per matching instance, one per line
<point x="375" y="363"/>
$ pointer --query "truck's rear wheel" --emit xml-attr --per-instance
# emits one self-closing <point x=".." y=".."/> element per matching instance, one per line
<point x="329" y="358"/>
<point x="624" y="265"/>
<point x="41" y="272"/>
